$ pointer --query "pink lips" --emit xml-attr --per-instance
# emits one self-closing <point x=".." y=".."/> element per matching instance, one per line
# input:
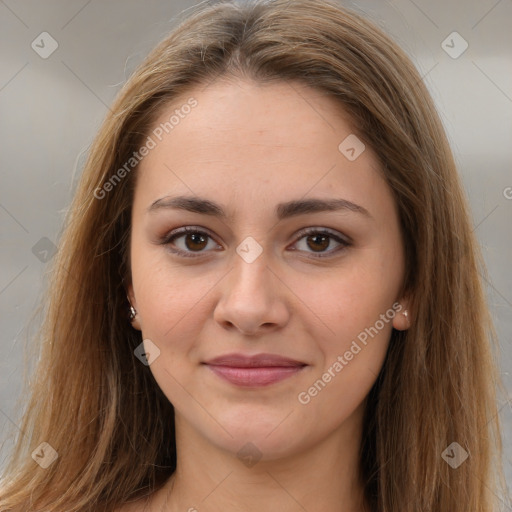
<point x="254" y="371"/>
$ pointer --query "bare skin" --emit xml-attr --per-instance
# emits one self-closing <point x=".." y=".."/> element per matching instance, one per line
<point x="249" y="147"/>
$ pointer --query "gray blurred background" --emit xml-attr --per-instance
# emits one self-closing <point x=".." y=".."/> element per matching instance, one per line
<point x="63" y="62"/>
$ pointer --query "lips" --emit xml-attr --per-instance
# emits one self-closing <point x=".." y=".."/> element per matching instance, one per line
<point x="254" y="371"/>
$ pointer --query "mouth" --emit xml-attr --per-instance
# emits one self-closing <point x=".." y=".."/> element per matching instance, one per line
<point x="254" y="371"/>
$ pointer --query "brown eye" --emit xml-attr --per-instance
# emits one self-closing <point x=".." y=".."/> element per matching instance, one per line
<point x="195" y="241"/>
<point x="191" y="240"/>
<point x="318" y="241"/>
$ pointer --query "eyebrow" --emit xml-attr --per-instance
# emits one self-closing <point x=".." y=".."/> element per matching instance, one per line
<point x="203" y="206"/>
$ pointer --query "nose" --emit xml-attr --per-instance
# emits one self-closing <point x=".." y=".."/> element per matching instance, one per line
<point x="253" y="298"/>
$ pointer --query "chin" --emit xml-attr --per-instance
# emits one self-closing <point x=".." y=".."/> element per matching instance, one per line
<point x="254" y="435"/>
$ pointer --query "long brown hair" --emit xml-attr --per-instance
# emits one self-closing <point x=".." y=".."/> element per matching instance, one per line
<point x="101" y="410"/>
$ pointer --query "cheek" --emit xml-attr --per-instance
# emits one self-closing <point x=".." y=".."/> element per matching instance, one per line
<point x="356" y="314"/>
<point x="348" y="301"/>
<point x="168" y="294"/>
<point x="360" y="319"/>
<point x="358" y="307"/>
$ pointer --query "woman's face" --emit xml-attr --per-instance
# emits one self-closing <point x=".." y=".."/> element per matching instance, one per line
<point x="267" y="268"/>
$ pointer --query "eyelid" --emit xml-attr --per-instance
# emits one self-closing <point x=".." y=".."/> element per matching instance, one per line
<point x="319" y="229"/>
<point x="176" y="233"/>
<point x="344" y="240"/>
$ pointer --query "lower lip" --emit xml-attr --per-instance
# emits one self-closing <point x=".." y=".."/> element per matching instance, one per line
<point x="255" y="377"/>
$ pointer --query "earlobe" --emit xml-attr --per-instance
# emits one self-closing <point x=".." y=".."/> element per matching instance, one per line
<point x="402" y="319"/>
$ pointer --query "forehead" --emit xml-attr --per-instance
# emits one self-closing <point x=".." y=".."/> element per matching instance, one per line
<point x="247" y="141"/>
<point x="240" y="113"/>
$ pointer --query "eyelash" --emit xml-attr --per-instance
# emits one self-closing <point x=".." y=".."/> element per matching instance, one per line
<point x="166" y="240"/>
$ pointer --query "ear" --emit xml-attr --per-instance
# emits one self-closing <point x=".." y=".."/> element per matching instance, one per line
<point x="131" y="298"/>
<point x="403" y="315"/>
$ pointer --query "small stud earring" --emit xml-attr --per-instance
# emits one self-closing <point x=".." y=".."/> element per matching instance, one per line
<point x="406" y="315"/>
<point x="133" y="313"/>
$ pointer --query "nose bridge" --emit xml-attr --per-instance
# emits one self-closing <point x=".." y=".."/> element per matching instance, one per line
<point x="251" y="273"/>
<point x="249" y="299"/>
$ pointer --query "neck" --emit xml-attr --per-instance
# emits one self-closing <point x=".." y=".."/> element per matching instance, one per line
<point x="324" y="476"/>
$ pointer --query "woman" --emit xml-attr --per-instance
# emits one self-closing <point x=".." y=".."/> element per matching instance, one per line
<point x="267" y="294"/>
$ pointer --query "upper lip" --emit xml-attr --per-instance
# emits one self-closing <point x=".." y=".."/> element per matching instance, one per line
<point x="258" y="360"/>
